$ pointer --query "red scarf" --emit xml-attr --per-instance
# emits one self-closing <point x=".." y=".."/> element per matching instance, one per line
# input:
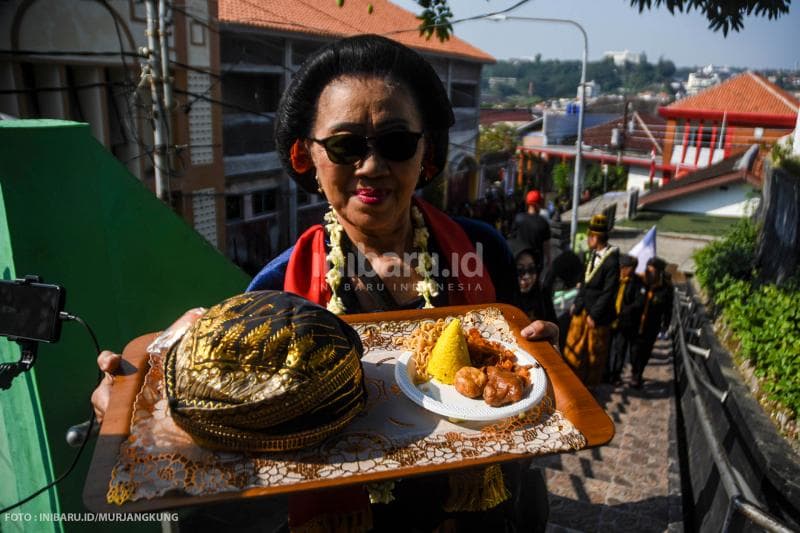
<point x="305" y="272"/>
<point x="305" y="276"/>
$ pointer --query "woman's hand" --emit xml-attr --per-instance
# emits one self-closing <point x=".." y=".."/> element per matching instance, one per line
<point x="539" y="330"/>
<point x="109" y="363"/>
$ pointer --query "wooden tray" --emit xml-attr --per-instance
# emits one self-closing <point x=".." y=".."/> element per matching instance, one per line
<point x="571" y="398"/>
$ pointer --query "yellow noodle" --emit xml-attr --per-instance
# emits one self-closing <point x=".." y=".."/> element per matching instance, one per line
<point x="420" y="343"/>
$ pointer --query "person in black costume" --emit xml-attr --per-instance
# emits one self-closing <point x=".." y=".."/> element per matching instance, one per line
<point x="586" y="349"/>
<point x="655" y="317"/>
<point x="532" y="229"/>
<point x="629" y="304"/>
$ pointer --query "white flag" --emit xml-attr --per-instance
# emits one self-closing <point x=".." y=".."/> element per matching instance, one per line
<point x="644" y="249"/>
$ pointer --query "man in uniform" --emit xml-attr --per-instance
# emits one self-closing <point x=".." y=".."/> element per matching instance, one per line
<point x="586" y="349"/>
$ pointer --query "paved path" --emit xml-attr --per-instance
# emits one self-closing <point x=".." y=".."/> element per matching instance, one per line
<point x="633" y="483"/>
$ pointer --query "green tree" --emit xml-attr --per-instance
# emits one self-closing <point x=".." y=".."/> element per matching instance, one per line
<point x="496" y="138"/>
<point x="665" y="68"/>
<point x="726" y="15"/>
<point x="562" y="173"/>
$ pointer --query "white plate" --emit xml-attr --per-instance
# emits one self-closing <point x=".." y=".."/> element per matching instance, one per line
<point x="445" y="400"/>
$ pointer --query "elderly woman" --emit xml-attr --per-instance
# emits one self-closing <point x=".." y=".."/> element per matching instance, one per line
<point x="365" y="122"/>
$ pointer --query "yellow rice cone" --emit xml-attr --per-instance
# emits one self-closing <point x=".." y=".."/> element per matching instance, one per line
<point x="449" y="354"/>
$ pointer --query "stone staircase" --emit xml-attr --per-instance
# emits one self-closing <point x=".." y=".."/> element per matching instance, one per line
<point x="633" y="483"/>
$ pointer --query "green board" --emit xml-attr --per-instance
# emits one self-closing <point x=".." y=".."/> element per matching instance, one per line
<point x="75" y="216"/>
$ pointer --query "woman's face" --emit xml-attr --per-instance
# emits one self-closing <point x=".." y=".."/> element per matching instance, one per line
<point x="527" y="273"/>
<point x="374" y="193"/>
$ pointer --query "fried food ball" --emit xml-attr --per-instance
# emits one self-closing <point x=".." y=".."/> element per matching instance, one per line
<point x="502" y="387"/>
<point x="470" y="381"/>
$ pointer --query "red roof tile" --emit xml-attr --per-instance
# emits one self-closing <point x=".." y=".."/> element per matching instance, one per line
<point x="326" y="18"/>
<point x="491" y="116"/>
<point x="744" y="93"/>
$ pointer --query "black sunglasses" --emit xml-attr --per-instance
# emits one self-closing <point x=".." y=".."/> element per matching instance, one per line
<point x="348" y="148"/>
<point x="530" y="270"/>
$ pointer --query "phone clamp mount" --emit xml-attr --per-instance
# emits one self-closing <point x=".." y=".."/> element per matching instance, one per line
<point x="8" y="371"/>
<point x="28" y="349"/>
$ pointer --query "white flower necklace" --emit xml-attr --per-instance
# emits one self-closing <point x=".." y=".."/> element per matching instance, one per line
<point x="426" y="287"/>
<point x="602" y="256"/>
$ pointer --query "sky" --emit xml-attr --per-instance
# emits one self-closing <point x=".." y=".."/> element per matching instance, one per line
<point x="615" y="25"/>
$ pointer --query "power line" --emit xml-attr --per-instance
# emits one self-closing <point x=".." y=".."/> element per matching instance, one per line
<point x="132" y="121"/>
<point x="423" y="27"/>
<point x="224" y="104"/>
<point x="68" y="53"/>
<point x="64" y="88"/>
<point x="197" y="69"/>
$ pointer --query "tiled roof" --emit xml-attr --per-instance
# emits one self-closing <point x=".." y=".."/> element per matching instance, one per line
<point x="325" y="18"/>
<point x="744" y="93"/>
<point x="639" y="140"/>
<point x="491" y="116"/>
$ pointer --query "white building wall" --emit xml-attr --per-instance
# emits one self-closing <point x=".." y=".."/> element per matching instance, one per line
<point x="731" y="201"/>
<point x="639" y="178"/>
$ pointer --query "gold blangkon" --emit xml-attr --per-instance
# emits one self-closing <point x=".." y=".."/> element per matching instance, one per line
<point x="261" y="362"/>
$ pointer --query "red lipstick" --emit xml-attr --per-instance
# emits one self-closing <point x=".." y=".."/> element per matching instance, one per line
<point x="371" y="196"/>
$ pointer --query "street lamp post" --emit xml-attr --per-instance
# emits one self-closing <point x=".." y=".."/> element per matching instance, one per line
<point x="582" y="87"/>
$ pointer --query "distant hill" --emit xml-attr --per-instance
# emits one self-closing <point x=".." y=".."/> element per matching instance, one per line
<point x="553" y="78"/>
<point x="524" y="82"/>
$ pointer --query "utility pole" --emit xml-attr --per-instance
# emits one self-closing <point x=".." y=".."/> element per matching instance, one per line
<point x="163" y="40"/>
<point x="576" y="181"/>
<point x="152" y="71"/>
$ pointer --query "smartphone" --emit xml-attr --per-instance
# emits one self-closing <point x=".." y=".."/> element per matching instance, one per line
<point x="29" y="310"/>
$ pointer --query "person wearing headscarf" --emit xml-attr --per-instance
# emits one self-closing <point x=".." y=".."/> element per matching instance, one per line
<point x="533" y="298"/>
<point x="628" y="304"/>
<point x="586" y="349"/>
<point x="656" y="316"/>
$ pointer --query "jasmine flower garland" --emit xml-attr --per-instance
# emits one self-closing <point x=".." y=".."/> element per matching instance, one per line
<point x="426" y="287"/>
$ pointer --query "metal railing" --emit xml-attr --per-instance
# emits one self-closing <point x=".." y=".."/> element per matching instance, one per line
<point x="740" y="496"/>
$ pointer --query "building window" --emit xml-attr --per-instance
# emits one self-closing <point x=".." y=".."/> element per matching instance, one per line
<point x="256" y="50"/>
<point x="234" y="207"/>
<point x="708" y="130"/>
<point x="251" y="92"/>
<point x="678" y="139"/>
<point x="692" y="134"/>
<point x="265" y="201"/>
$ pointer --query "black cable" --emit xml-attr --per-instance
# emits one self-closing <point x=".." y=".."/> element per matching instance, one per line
<point x="64" y="88"/>
<point x="67" y="316"/>
<point x="423" y="27"/>
<point x="223" y="104"/>
<point x="132" y="124"/>
<point x="197" y="69"/>
<point x="66" y="53"/>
